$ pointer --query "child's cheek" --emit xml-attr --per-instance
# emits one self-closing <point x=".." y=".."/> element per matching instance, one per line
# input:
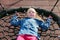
<point x="32" y="14"/>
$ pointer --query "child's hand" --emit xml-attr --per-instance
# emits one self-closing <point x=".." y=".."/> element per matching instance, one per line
<point x="50" y="16"/>
<point x="17" y="14"/>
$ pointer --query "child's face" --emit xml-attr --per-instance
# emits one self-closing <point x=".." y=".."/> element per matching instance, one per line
<point x="31" y="13"/>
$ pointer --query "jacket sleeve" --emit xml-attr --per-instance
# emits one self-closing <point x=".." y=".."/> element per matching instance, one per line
<point x="45" y="25"/>
<point x="14" y="21"/>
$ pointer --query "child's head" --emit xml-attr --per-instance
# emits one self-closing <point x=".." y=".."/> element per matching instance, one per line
<point x="31" y="12"/>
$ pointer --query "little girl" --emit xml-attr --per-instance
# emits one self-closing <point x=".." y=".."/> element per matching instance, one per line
<point x="29" y="25"/>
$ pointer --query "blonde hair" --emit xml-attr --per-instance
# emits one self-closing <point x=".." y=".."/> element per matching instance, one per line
<point x="37" y="16"/>
<point x="31" y="9"/>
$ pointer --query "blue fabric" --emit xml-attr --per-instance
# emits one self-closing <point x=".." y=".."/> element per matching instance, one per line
<point x="30" y="25"/>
